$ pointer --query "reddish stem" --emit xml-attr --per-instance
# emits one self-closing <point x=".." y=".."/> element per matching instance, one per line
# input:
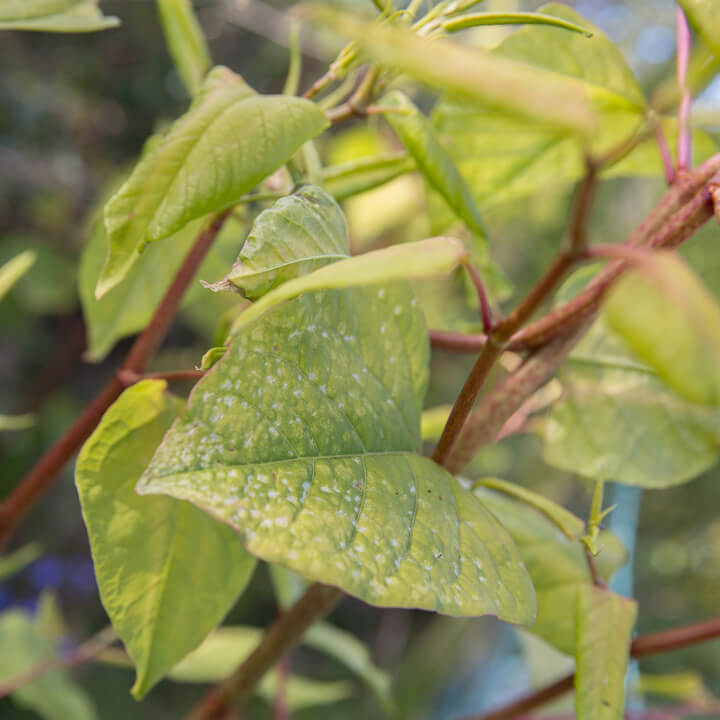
<point x="682" y="34"/>
<point x="41" y="476"/>
<point x="485" y="311"/>
<point x="665" y="154"/>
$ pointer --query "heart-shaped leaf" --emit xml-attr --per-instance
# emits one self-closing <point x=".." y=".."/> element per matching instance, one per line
<point x="303" y="438"/>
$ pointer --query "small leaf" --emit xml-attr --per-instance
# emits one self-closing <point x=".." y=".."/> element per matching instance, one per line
<point x="186" y="42"/>
<point x="434" y="256"/>
<point x="605" y="623"/>
<point x="571" y="525"/>
<point x="21" y="558"/>
<point x="229" y="140"/>
<point x="52" y="696"/>
<point x="54" y="16"/>
<point x="703" y="15"/>
<point x="298" y="234"/>
<point x="556" y="565"/>
<point x="358" y="176"/>
<point x="151" y="576"/>
<point x="14" y="269"/>
<point x="16" y="422"/>
<point x="472" y="20"/>
<point x="302" y="437"/>
<point x="672" y="323"/>
<point x="471" y="75"/>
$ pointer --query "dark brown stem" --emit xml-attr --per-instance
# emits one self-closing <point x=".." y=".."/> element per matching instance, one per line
<point x="457" y="342"/>
<point x="280" y="637"/>
<point x="354" y="106"/>
<point x="652" y="644"/>
<point x="43" y="473"/>
<point x="280" y="705"/>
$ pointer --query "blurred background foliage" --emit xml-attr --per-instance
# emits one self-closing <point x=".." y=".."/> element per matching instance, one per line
<point x="75" y="111"/>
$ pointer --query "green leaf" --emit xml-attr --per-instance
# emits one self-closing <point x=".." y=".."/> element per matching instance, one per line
<point x="605" y="623"/>
<point x="302" y="437"/>
<point x="229" y="140"/>
<point x="556" y="565"/>
<point x="357" y="176"/>
<point x="151" y="577"/>
<point x="471" y="75"/>
<point x="52" y="696"/>
<point x="54" y="16"/>
<point x="570" y="525"/>
<point x="21" y="558"/>
<point x="186" y="42"/>
<point x="618" y="420"/>
<point x="16" y="422"/>
<point x="472" y="20"/>
<point x="703" y="15"/>
<point x="433" y="422"/>
<point x="434" y="256"/>
<point x="672" y="323"/>
<point x="298" y="234"/>
<point x="128" y="307"/>
<point x="14" y="269"/>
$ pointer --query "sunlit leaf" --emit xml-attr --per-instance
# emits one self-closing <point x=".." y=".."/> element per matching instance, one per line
<point x="556" y="565"/>
<point x="434" y="256"/>
<point x="186" y="42"/>
<point x="52" y="696"/>
<point x="54" y="16"/>
<point x="471" y="20"/>
<point x="160" y="564"/>
<point x="303" y="438"/>
<point x="14" y="269"/>
<point x="433" y="421"/>
<point x="229" y="140"/>
<point x="474" y="76"/>
<point x="605" y="623"/>
<point x="298" y="234"/>
<point x="704" y="17"/>
<point x="672" y="323"/>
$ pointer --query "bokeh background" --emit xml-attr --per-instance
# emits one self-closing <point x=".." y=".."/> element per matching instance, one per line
<point x="74" y="113"/>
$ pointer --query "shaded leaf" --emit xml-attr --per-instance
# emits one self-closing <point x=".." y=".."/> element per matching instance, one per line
<point x="474" y="76"/>
<point x="434" y="256"/>
<point x="570" y="525"/>
<point x="605" y="623"/>
<point x="229" y="140"/>
<point x="672" y="323"/>
<point x="128" y="307"/>
<point x="54" y="16"/>
<point x="298" y="234"/>
<point x="16" y="422"/>
<point x="186" y="42"/>
<point x="618" y="420"/>
<point x="14" y="269"/>
<point x="556" y="565"/>
<point x="302" y="437"/>
<point x="17" y="560"/>
<point x="151" y="576"/>
<point x="53" y="696"/>
<point x="357" y="176"/>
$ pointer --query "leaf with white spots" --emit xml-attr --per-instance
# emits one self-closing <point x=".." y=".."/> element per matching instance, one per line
<point x="434" y="256"/>
<point x="298" y="234"/>
<point x="303" y="438"/>
<point x="160" y="564"/>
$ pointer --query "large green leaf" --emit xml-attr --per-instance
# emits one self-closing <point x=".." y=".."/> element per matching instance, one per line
<point x="704" y="17"/>
<point x="605" y="623"/>
<point x="160" y="564"/>
<point x="186" y="42"/>
<point x="556" y="565"/>
<point x="128" y="307"/>
<point x="434" y="256"/>
<point x="52" y="695"/>
<point x="672" y="322"/>
<point x="298" y="234"/>
<point x="474" y="76"/>
<point x="54" y="16"/>
<point x="303" y="438"/>
<point x="229" y="140"/>
<point x="617" y="419"/>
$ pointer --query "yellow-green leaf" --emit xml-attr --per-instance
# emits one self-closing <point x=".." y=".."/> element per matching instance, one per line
<point x="54" y="16"/>
<point x="14" y="269"/>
